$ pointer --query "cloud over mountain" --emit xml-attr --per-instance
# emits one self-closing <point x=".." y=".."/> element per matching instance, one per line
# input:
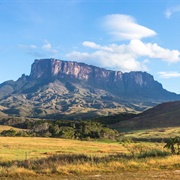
<point x="131" y="55"/>
<point x="125" y="57"/>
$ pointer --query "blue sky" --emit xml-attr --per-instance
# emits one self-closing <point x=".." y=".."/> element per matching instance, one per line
<point x="122" y="35"/>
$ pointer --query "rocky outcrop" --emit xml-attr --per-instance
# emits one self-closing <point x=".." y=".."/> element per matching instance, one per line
<point x="53" y="68"/>
<point x="127" y="84"/>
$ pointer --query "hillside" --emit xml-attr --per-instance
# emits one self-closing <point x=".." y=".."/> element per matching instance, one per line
<point x="162" y="116"/>
<point x="72" y="90"/>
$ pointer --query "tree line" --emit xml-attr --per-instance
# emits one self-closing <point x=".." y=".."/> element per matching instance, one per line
<point x="63" y="129"/>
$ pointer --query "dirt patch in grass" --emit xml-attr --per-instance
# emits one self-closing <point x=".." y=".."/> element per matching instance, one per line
<point x="139" y="175"/>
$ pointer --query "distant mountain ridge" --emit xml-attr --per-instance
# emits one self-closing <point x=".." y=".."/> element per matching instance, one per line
<point x="161" y="116"/>
<point x="69" y="89"/>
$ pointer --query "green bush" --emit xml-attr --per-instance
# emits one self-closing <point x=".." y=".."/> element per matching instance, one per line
<point x="154" y="153"/>
<point x="10" y="132"/>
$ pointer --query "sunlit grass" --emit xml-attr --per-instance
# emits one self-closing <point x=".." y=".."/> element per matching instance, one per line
<point x="36" y="157"/>
<point x="155" y="133"/>
<point x="4" y="127"/>
<point x="19" y="148"/>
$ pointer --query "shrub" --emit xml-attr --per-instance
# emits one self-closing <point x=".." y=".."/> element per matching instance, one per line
<point x="153" y="153"/>
<point x="10" y="132"/>
<point x="125" y="140"/>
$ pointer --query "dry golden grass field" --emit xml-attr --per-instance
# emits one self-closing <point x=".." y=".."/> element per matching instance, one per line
<point x="154" y="133"/>
<point x="52" y="158"/>
<point x="4" y="127"/>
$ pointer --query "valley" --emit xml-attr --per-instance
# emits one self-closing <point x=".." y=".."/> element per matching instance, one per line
<point x="89" y="90"/>
<point x="70" y="120"/>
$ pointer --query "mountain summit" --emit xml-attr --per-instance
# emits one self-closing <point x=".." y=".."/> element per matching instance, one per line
<point x="133" y="84"/>
<point x="71" y="89"/>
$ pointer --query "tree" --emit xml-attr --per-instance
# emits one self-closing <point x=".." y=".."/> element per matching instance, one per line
<point x="10" y="132"/>
<point x="177" y="141"/>
<point x="171" y="144"/>
<point x="66" y="132"/>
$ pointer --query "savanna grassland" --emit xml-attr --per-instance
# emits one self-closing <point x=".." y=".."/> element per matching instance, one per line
<point x="154" y="134"/>
<point x="54" y="158"/>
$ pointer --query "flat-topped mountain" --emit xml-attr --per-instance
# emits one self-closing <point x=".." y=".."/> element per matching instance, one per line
<point x="128" y="84"/>
<point x="71" y="89"/>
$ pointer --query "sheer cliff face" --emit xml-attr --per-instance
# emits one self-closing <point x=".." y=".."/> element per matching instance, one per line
<point x="57" y="68"/>
<point x="63" y="88"/>
<point x="52" y="68"/>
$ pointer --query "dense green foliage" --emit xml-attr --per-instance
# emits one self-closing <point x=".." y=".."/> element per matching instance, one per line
<point x="62" y="129"/>
<point x="73" y="129"/>
<point x="114" y="118"/>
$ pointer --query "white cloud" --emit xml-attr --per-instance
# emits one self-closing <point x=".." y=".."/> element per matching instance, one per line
<point x="23" y="46"/>
<point x="166" y="75"/>
<point x="93" y="45"/>
<point x="90" y="44"/>
<point x="153" y="50"/>
<point x="171" y="11"/>
<point x="48" y="47"/>
<point x="118" y="57"/>
<point x="33" y="46"/>
<point x="124" y="27"/>
<point x="121" y="62"/>
<point x="39" y="51"/>
<point x="132" y="56"/>
<point x="125" y="57"/>
<point x="168" y="13"/>
<point x="168" y="55"/>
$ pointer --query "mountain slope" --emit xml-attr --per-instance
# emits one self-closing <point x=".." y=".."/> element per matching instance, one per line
<point x="162" y="116"/>
<point x="65" y="89"/>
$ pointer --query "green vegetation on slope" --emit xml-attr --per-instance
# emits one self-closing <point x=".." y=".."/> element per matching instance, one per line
<point x="60" y="128"/>
<point x="108" y="120"/>
<point x="154" y="134"/>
